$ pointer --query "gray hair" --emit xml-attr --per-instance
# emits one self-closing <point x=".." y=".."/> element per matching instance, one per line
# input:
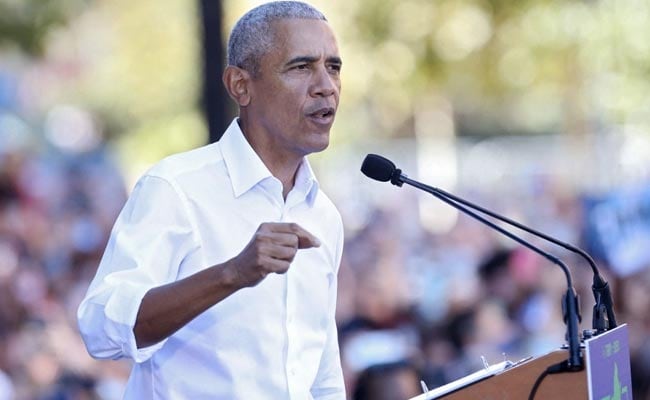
<point x="252" y="38"/>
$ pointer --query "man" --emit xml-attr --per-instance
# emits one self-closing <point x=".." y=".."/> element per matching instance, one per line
<point x="219" y="279"/>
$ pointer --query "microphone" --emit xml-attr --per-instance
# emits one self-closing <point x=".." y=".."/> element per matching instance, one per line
<point x="384" y="170"/>
<point x="603" y="317"/>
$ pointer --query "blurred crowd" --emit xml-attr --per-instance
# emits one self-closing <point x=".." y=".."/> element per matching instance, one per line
<point x="56" y="211"/>
<point x="413" y="305"/>
<point x="418" y="306"/>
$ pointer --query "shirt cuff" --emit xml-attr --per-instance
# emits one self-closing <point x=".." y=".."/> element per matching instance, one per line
<point x="121" y="313"/>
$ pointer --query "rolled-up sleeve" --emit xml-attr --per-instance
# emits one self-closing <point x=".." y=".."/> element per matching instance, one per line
<point x="150" y="239"/>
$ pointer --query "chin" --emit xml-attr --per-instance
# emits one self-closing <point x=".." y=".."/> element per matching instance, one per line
<point x="323" y="147"/>
<point x="316" y="149"/>
<point x="317" y="146"/>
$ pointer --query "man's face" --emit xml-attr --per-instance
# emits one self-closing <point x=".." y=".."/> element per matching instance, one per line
<point x="295" y="95"/>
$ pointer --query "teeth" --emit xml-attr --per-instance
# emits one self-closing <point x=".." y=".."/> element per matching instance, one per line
<point x="322" y="114"/>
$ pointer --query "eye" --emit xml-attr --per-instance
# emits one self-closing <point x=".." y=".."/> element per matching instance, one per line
<point x="334" y="68"/>
<point x="300" y="67"/>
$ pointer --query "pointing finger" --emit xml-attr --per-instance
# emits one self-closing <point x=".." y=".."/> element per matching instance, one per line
<point x="305" y="239"/>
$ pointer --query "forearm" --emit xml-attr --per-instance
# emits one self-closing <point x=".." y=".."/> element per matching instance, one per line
<point x="166" y="309"/>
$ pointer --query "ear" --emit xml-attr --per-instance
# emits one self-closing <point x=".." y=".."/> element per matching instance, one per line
<point x="236" y="81"/>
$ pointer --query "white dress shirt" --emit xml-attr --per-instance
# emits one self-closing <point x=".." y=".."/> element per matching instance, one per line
<point x="276" y="340"/>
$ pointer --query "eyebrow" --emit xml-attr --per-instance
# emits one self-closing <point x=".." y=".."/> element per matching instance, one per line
<point x="312" y="59"/>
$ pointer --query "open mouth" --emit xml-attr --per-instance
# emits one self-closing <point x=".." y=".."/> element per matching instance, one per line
<point x="323" y="113"/>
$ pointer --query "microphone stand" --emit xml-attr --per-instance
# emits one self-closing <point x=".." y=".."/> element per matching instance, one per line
<point x="570" y="307"/>
<point x="600" y="288"/>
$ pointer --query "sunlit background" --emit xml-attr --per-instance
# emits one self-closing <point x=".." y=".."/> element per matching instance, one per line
<point x="538" y="109"/>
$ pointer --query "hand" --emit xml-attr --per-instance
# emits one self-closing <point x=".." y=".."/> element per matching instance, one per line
<point x="271" y="250"/>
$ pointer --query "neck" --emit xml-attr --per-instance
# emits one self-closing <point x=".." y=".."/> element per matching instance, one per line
<point x="284" y="170"/>
<point x="282" y="164"/>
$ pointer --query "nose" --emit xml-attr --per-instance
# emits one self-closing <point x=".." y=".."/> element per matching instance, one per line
<point x="324" y="83"/>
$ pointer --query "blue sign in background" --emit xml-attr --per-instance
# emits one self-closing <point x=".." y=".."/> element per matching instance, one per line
<point x="617" y="228"/>
<point x="608" y="362"/>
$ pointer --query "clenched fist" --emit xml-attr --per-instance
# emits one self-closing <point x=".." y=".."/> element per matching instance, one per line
<point x="271" y="250"/>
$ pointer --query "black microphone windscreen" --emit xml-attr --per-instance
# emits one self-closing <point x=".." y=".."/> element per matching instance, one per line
<point x="378" y="167"/>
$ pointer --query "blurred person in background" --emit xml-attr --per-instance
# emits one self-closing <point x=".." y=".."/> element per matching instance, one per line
<point x="175" y="289"/>
<point x="381" y="329"/>
<point x="391" y="381"/>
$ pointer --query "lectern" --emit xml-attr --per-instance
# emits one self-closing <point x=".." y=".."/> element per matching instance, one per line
<point x="606" y="376"/>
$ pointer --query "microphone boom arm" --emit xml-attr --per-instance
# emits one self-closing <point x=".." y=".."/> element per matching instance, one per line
<point x="570" y="307"/>
<point x="600" y="287"/>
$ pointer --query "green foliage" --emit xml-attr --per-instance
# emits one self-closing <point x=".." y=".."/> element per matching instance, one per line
<point x="134" y="65"/>
<point x="491" y="66"/>
<point x="26" y="23"/>
<point x="534" y="66"/>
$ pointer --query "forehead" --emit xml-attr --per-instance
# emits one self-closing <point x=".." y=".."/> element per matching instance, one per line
<point x="303" y="37"/>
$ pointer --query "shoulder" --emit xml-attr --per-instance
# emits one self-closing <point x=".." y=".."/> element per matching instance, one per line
<point x="195" y="164"/>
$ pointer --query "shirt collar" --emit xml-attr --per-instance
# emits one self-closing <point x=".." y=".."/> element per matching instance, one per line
<point x="246" y="169"/>
<point x="306" y="182"/>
